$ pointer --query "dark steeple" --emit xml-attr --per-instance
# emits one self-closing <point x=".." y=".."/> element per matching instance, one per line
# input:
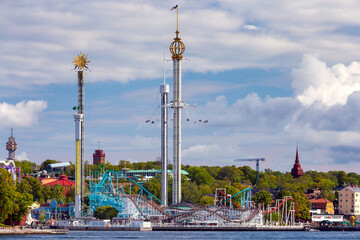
<point x="297" y="171"/>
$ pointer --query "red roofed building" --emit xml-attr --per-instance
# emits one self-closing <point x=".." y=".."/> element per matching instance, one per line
<point x="297" y="171"/>
<point x="63" y="181"/>
<point x="322" y="206"/>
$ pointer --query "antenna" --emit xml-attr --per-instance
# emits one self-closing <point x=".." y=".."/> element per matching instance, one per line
<point x="164" y="66"/>
<point x="99" y="145"/>
<point x="12" y="131"/>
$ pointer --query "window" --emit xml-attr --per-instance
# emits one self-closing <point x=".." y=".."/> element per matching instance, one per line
<point x="340" y="194"/>
<point x="340" y="200"/>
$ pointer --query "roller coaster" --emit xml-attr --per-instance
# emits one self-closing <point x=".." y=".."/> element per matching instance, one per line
<point x="136" y="202"/>
<point x="285" y="209"/>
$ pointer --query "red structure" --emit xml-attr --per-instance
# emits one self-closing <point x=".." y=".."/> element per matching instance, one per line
<point x="98" y="157"/>
<point x="297" y="171"/>
<point x="63" y="181"/>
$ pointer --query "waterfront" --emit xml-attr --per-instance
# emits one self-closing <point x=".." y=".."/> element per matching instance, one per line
<point x="194" y="235"/>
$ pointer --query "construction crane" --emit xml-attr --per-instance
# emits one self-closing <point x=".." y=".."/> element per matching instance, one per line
<point x="257" y="160"/>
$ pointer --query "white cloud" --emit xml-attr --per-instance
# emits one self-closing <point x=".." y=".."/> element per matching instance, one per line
<point x="314" y="81"/>
<point x="22" y="114"/>
<point x="22" y="156"/>
<point x="125" y="40"/>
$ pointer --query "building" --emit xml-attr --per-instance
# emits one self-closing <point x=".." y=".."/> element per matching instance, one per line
<point x="321" y="206"/>
<point x="63" y="181"/>
<point x="297" y="171"/>
<point x="53" y="210"/>
<point x="98" y="157"/>
<point x="56" y="169"/>
<point x="349" y="201"/>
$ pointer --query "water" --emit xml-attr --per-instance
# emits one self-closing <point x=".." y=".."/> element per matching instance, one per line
<point x="108" y="235"/>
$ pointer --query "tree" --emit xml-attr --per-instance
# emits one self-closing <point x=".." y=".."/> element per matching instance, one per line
<point x="124" y="164"/>
<point x="106" y="212"/>
<point x="25" y="166"/>
<point x="70" y="195"/>
<point x="263" y="197"/>
<point x="153" y="185"/>
<point x="230" y="173"/>
<point x="70" y="170"/>
<point x="37" y="190"/>
<point x="7" y="193"/>
<point x="206" y="201"/>
<point x="57" y="192"/>
<point x="200" y="176"/>
<point x="190" y="192"/>
<point x="20" y="206"/>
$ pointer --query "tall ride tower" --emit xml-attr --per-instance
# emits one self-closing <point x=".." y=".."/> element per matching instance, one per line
<point x="177" y="48"/>
<point x="164" y="91"/>
<point x="80" y="63"/>
<point x="11" y="146"/>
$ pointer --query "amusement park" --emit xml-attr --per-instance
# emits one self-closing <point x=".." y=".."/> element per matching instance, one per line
<point x="165" y="194"/>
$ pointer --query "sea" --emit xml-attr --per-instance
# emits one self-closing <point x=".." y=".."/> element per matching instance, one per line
<point x="108" y="235"/>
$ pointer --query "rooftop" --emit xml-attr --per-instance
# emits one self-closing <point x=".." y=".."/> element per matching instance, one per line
<point x="59" y="165"/>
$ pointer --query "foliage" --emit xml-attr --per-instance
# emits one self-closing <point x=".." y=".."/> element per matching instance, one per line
<point x="230" y="173"/>
<point x="105" y="212"/>
<point x="190" y="192"/>
<point x="70" y="195"/>
<point x="14" y="199"/>
<point x="154" y="187"/>
<point x="263" y="197"/>
<point x="124" y="164"/>
<point x="200" y="176"/>
<point x="206" y="201"/>
<point x="25" y="166"/>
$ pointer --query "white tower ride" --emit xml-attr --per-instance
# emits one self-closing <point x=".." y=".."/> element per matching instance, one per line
<point x="177" y="48"/>
<point x="164" y="91"/>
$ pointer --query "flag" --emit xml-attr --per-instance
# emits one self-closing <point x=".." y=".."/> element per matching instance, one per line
<point x="174" y="8"/>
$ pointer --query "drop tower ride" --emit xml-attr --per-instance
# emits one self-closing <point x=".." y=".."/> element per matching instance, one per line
<point x="177" y="48"/>
<point x="80" y="63"/>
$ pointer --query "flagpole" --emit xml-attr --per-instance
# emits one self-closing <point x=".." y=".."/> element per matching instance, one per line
<point x="177" y="18"/>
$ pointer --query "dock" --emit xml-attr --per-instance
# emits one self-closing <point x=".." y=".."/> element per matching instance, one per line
<point x="30" y="231"/>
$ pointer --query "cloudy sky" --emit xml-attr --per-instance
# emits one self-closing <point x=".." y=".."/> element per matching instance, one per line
<point x="267" y="75"/>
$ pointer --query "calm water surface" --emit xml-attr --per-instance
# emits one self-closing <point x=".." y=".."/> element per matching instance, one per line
<point x="107" y="235"/>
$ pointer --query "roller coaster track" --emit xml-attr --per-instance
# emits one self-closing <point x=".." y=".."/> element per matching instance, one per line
<point x="251" y="216"/>
<point x="230" y="199"/>
<point x="285" y="200"/>
<point x="149" y="204"/>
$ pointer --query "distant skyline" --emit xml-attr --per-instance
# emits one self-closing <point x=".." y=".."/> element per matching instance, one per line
<point x="267" y="75"/>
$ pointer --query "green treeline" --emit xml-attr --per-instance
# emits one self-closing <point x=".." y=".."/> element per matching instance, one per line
<point x="198" y="186"/>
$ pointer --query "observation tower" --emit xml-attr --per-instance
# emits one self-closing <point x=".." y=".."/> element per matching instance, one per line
<point x="80" y="63"/>
<point x="11" y="146"/>
<point x="177" y="48"/>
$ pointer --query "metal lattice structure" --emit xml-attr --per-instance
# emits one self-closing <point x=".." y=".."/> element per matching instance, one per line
<point x="108" y="191"/>
<point x="236" y="209"/>
<point x="285" y="209"/>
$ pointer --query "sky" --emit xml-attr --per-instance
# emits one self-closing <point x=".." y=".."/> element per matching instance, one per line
<point x="267" y="75"/>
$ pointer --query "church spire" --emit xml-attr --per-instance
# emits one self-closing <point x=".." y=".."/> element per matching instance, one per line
<point x="297" y="171"/>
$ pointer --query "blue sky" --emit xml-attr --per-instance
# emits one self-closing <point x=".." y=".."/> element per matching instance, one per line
<point x="267" y="75"/>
